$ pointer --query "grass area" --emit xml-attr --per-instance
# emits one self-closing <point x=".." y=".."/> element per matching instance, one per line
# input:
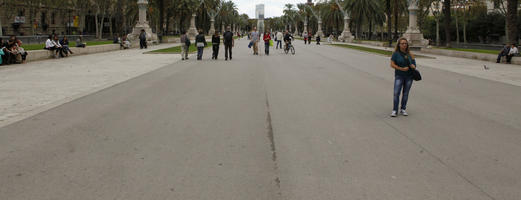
<point x="177" y="49"/>
<point x="29" y="47"/>
<point x="495" y="52"/>
<point x="376" y="51"/>
<point x="371" y="50"/>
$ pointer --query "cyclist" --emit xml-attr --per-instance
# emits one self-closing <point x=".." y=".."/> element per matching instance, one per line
<point x="287" y="39"/>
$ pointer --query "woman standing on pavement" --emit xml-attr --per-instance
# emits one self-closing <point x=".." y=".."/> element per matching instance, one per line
<point x="267" y="38"/>
<point x="404" y="63"/>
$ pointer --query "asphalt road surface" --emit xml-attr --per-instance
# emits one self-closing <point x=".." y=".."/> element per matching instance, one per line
<point x="314" y="125"/>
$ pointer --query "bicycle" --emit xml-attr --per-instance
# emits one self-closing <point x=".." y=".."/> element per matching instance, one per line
<point x="289" y="47"/>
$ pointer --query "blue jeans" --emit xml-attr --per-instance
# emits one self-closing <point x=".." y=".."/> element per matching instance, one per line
<point x="279" y="43"/>
<point x="200" y="53"/>
<point x="267" y="48"/>
<point x="401" y="83"/>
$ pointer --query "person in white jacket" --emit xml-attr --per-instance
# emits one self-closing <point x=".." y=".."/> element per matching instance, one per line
<point x="513" y="51"/>
<point x="279" y="38"/>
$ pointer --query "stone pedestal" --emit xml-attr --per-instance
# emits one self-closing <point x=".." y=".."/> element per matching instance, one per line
<point x="319" y="31"/>
<point x="142" y="24"/>
<point x="346" y="35"/>
<point x="212" y="26"/>
<point x="413" y="34"/>
<point x="192" y="31"/>
<point x="305" y="32"/>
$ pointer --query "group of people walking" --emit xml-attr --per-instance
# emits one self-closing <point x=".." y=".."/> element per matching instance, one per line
<point x="268" y="38"/>
<point x="200" y="44"/>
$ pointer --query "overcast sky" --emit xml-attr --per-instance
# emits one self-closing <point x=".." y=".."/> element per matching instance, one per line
<point x="272" y="8"/>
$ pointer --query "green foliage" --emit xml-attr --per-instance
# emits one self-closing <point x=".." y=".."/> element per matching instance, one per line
<point x="29" y="47"/>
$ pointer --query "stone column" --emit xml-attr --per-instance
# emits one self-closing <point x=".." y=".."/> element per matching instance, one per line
<point x="296" y="29"/>
<point x="223" y="29"/>
<point x="212" y="26"/>
<point x="1" y="33"/>
<point x="413" y="34"/>
<point x="305" y="32"/>
<point x="192" y="32"/>
<point x="319" y="31"/>
<point x="142" y="5"/>
<point x="346" y="35"/>
<point x="142" y="24"/>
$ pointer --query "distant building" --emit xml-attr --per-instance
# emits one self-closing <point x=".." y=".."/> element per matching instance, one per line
<point x="259" y="14"/>
<point x="22" y="18"/>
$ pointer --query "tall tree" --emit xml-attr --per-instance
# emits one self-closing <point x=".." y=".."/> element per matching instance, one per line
<point x="389" y="23"/>
<point x="511" y="20"/>
<point x="446" y="20"/>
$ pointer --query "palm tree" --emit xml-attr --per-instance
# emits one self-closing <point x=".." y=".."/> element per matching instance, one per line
<point x="332" y="16"/>
<point x="511" y="20"/>
<point x="447" y="19"/>
<point x="363" y="10"/>
<point x="289" y="14"/>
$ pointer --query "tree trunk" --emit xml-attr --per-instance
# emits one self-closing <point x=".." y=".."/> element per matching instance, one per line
<point x="396" y="19"/>
<point x="446" y="20"/>
<point x="389" y="24"/>
<point x="161" y="17"/>
<point x="438" y="31"/>
<point x="96" y="25"/>
<point x="512" y="21"/>
<point x="464" y="25"/>
<point x="370" y="29"/>
<point x="457" y="24"/>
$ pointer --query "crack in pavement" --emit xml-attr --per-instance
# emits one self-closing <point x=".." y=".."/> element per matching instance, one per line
<point x="271" y="137"/>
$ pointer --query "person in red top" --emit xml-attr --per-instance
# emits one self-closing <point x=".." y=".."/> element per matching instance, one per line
<point x="267" y="38"/>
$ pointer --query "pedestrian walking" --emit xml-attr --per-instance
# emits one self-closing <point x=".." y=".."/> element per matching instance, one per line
<point x="318" y="39"/>
<point x="309" y="37"/>
<point x="216" y="41"/>
<point x="404" y="63"/>
<point x="267" y="39"/>
<point x="185" y="45"/>
<point x="200" y="43"/>
<point x="229" y="42"/>
<point x="279" y="37"/>
<point x="255" y="41"/>
<point x="143" y="39"/>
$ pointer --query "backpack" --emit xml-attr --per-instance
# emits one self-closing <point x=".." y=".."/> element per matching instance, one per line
<point x="187" y="41"/>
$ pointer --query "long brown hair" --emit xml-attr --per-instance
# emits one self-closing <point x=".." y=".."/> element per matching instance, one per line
<point x="407" y="51"/>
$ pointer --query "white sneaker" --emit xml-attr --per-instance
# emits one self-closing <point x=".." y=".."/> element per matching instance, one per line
<point x="403" y="112"/>
<point x="393" y="114"/>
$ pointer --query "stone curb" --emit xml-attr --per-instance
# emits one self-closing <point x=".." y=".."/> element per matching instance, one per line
<point x="43" y="54"/>
<point x="470" y="55"/>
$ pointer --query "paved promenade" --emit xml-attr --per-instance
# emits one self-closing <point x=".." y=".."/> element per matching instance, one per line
<point x="314" y="125"/>
<point x="37" y="86"/>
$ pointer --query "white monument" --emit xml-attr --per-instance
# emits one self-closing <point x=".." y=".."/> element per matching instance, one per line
<point x="142" y="24"/>
<point x="346" y="35"/>
<point x="192" y="31"/>
<point x="413" y="34"/>
<point x="259" y="13"/>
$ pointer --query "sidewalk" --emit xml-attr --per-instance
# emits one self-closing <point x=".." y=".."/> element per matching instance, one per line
<point x="34" y="87"/>
<point x="505" y="73"/>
